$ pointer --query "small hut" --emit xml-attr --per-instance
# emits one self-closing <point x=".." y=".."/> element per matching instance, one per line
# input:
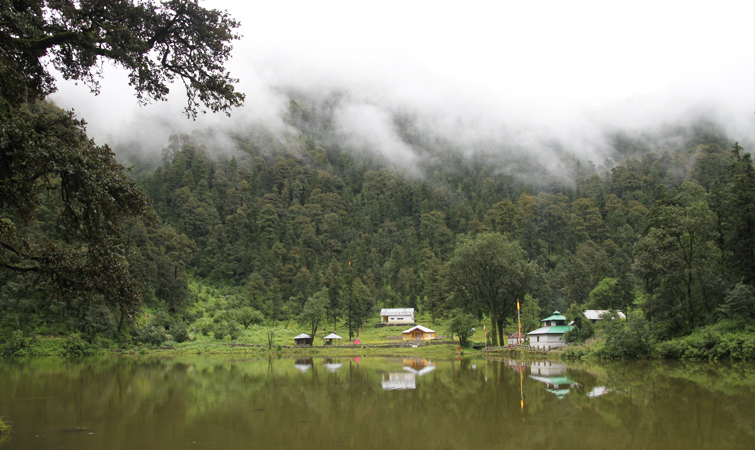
<point x="303" y="340"/>
<point x="329" y="339"/>
<point x="419" y="333"/>
<point x="516" y="338"/>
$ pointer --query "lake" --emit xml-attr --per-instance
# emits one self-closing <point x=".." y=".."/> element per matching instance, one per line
<point x="148" y="403"/>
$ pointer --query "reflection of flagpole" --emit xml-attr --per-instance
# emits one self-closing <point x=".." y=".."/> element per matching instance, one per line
<point x="519" y="319"/>
<point x="521" y="388"/>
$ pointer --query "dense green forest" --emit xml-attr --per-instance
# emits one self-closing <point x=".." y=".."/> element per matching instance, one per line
<point x="295" y="226"/>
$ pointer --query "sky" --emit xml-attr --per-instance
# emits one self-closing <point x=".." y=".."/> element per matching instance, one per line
<point x="564" y="70"/>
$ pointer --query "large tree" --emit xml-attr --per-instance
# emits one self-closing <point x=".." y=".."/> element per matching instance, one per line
<point x="48" y="165"/>
<point x="679" y="265"/>
<point x="488" y="274"/>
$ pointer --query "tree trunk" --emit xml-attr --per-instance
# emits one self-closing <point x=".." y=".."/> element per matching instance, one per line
<point x="501" y="330"/>
<point x="494" y="327"/>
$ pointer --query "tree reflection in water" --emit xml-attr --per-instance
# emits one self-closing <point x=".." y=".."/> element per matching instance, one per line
<point x="309" y="403"/>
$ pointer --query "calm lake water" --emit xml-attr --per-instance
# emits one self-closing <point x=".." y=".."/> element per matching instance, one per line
<point x="373" y="403"/>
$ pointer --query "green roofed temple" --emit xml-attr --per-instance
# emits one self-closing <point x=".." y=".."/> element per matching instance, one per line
<point x="551" y="334"/>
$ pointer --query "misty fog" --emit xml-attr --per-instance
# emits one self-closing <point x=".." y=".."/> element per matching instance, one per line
<point x="506" y="80"/>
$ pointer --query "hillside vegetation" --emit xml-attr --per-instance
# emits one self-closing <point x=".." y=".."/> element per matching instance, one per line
<point x="268" y="231"/>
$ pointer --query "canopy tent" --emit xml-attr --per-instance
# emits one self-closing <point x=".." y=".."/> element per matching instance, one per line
<point x="330" y="338"/>
<point x="303" y="339"/>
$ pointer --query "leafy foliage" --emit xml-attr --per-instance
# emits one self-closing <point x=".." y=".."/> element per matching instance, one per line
<point x="460" y="325"/>
<point x="64" y="199"/>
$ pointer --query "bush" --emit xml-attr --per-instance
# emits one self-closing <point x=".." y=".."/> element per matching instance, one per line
<point x="151" y="335"/>
<point x="75" y="346"/>
<point x="713" y="342"/>
<point x="17" y="345"/>
<point x="180" y="332"/>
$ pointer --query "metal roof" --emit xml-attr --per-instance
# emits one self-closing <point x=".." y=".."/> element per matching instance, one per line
<point x="397" y="312"/>
<point x="556" y="316"/>
<point x="561" y="329"/>
<point x="597" y="314"/>
<point x="332" y="336"/>
<point x="419" y="327"/>
<point x="302" y="336"/>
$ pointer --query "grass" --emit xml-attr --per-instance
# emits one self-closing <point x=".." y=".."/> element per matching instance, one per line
<point x="253" y="341"/>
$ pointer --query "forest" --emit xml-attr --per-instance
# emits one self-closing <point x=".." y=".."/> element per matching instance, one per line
<point x="300" y="227"/>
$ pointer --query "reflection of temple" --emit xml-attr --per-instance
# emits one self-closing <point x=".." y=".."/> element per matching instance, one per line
<point x="418" y="366"/>
<point x="399" y="380"/>
<point x="554" y="376"/>
<point x="303" y="364"/>
<point x="547" y="368"/>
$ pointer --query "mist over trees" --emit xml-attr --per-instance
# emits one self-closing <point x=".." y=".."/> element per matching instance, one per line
<point x="287" y="223"/>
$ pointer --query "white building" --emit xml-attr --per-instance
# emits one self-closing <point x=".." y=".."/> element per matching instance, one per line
<point x="594" y="315"/>
<point x="402" y="316"/>
<point x="551" y="335"/>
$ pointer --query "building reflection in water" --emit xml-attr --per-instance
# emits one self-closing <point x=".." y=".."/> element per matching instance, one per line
<point x="418" y="366"/>
<point x="597" y="391"/>
<point x="303" y="364"/>
<point x="554" y="377"/>
<point x="332" y="366"/>
<point x="413" y="368"/>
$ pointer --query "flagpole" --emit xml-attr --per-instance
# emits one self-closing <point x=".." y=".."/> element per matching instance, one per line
<point x="519" y="319"/>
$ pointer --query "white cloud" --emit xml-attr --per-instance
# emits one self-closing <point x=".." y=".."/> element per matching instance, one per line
<point x="528" y="71"/>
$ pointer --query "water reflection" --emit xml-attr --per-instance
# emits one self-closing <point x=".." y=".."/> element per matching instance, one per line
<point x="597" y="391"/>
<point x="413" y="368"/>
<point x="374" y="403"/>
<point x="418" y="366"/>
<point x="303" y="364"/>
<point x="398" y="381"/>
<point x="332" y="366"/>
<point x="554" y="376"/>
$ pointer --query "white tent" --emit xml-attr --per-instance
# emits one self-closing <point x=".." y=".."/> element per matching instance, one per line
<point x="330" y="338"/>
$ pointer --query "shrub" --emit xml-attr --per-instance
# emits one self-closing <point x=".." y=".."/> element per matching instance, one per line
<point x="180" y="332"/>
<point x="151" y="335"/>
<point x="75" y="346"/>
<point x="17" y="345"/>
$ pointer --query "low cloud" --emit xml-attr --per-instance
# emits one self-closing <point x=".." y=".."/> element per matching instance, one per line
<point x="518" y="81"/>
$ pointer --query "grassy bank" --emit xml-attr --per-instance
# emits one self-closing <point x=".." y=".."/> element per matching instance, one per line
<point x="236" y="350"/>
<point x="721" y="341"/>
